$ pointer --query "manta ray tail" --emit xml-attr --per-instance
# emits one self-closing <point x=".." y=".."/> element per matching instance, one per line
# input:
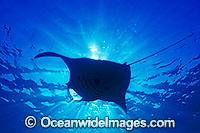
<point x="161" y="50"/>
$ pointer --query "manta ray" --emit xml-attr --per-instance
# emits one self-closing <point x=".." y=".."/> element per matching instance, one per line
<point x="100" y="79"/>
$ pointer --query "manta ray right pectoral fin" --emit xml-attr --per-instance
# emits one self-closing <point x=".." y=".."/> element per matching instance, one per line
<point x="122" y="103"/>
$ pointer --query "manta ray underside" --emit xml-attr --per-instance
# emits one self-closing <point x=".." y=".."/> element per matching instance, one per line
<point x="97" y="79"/>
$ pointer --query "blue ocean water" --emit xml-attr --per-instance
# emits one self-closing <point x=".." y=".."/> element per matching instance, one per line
<point x="165" y="86"/>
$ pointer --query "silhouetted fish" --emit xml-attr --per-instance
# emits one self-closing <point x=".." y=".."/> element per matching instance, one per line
<point x="99" y="79"/>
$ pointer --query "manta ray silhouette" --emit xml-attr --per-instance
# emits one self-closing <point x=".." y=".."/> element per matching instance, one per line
<point x="99" y="79"/>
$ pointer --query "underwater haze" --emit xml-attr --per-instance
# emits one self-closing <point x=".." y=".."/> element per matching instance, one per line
<point x="165" y="86"/>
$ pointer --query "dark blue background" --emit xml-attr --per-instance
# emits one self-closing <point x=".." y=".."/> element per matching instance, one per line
<point x="165" y="86"/>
